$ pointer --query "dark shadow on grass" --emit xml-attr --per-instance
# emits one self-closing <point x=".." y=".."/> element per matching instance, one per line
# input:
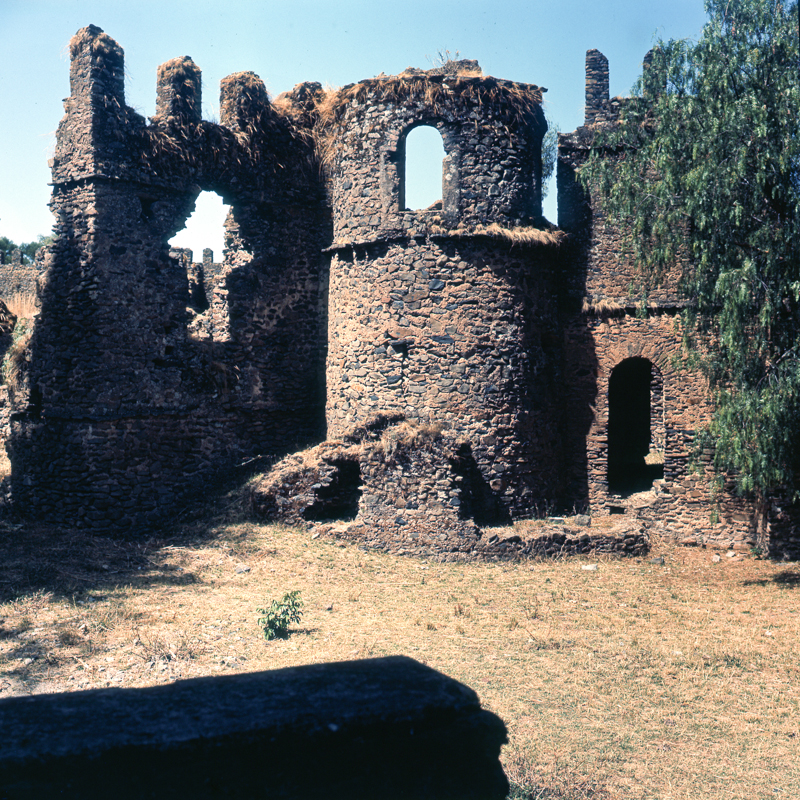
<point x="789" y="578"/>
<point x="306" y="631"/>
<point x="68" y="563"/>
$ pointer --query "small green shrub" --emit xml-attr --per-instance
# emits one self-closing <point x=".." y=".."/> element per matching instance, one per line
<point x="276" y="619"/>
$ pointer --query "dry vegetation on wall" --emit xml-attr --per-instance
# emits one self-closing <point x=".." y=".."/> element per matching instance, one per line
<point x="671" y="676"/>
<point x="102" y="44"/>
<point x="516" y="237"/>
<point x="514" y="102"/>
<point x="23" y="307"/>
<point x="522" y="236"/>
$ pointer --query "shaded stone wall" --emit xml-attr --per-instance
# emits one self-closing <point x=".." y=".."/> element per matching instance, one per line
<point x="401" y="730"/>
<point x="458" y="332"/>
<point x="124" y="410"/>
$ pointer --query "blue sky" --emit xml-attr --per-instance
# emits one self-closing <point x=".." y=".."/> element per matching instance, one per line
<point x="336" y="43"/>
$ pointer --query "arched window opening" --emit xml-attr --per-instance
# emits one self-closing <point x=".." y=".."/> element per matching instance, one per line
<point x="424" y="156"/>
<point x="203" y="233"/>
<point x="636" y="430"/>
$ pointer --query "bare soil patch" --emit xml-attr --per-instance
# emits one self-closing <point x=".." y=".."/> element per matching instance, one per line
<point x="669" y="676"/>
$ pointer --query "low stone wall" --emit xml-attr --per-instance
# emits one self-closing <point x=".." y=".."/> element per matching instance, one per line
<point x="382" y="728"/>
<point x="554" y="542"/>
<point x="17" y="277"/>
<point x="412" y="489"/>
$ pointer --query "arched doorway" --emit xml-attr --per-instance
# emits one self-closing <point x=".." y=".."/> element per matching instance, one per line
<point x="636" y="431"/>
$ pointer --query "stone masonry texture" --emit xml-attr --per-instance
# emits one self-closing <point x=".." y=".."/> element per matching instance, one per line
<point x="432" y="371"/>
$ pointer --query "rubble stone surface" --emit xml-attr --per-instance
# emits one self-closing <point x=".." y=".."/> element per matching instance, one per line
<point x="463" y="366"/>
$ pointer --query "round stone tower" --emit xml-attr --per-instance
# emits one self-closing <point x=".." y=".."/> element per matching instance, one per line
<point x="446" y="315"/>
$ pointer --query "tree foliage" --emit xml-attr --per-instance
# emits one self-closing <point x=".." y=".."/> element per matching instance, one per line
<point x="28" y="249"/>
<point x="549" y="154"/>
<point x="707" y="157"/>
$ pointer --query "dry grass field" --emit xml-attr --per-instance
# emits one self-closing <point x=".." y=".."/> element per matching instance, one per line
<point x="672" y="676"/>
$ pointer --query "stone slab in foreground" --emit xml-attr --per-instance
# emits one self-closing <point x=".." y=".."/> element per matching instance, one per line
<point x="379" y="728"/>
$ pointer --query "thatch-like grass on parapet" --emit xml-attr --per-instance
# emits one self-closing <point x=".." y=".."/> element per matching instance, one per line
<point x="523" y="236"/>
<point x="101" y="43"/>
<point x="513" y="102"/>
<point x="602" y="307"/>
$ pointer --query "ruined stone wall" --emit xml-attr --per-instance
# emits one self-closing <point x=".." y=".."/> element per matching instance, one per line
<point x="415" y="489"/>
<point x="616" y="318"/>
<point x="122" y="411"/>
<point x="474" y="321"/>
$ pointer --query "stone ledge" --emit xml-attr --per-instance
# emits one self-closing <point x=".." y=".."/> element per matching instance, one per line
<point x="387" y="727"/>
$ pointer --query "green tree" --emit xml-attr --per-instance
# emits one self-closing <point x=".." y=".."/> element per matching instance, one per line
<point x="549" y="154"/>
<point x="28" y="249"/>
<point x="7" y="247"/>
<point x="707" y="156"/>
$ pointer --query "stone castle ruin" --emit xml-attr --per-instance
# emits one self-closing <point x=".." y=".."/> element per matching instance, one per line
<point x="412" y="375"/>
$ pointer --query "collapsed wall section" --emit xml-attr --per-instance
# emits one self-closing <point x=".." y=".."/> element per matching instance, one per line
<point x="413" y="488"/>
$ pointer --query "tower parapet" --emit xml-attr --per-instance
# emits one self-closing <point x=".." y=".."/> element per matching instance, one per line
<point x="491" y="131"/>
<point x="179" y="92"/>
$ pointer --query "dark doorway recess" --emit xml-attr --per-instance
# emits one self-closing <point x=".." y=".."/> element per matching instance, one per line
<point x="338" y="498"/>
<point x="477" y="500"/>
<point x="633" y="419"/>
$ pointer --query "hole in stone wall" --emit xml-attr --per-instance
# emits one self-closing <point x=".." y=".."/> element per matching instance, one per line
<point x="205" y="227"/>
<point x="398" y="347"/>
<point x="35" y="402"/>
<point x="338" y="498"/>
<point x="635" y="427"/>
<point x="147" y="206"/>
<point x="423" y="168"/>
